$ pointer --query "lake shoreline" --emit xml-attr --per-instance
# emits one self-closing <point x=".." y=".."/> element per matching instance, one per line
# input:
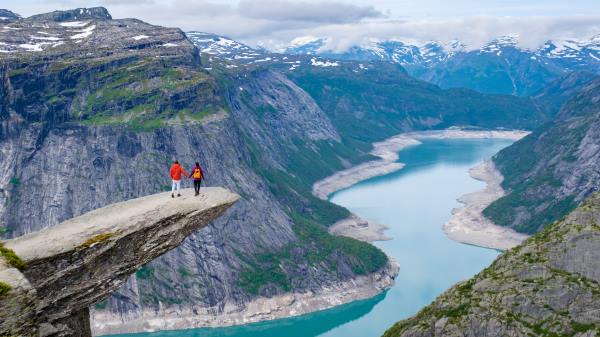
<point x="387" y="151"/>
<point x="301" y="303"/>
<point x="469" y="225"/>
<point x="258" y="310"/>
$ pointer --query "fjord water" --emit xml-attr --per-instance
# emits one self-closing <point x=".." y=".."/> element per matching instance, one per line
<point x="414" y="202"/>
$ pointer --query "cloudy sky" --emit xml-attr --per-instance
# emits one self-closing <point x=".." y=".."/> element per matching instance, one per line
<point x="274" y="23"/>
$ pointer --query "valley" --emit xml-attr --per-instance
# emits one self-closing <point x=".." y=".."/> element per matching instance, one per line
<point x="329" y="152"/>
<point x="434" y="176"/>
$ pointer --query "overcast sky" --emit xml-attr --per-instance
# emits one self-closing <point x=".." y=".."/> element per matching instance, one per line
<point x="274" y="23"/>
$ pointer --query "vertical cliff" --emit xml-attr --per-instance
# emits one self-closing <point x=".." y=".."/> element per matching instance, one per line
<point x="98" y="119"/>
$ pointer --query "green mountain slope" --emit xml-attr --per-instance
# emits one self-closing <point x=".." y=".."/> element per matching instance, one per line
<point x="551" y="171"/>
<point x="382" y="100"/>
<point x="548" y="286"/>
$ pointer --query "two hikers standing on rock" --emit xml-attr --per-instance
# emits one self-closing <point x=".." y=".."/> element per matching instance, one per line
<point x="177" y="171"/>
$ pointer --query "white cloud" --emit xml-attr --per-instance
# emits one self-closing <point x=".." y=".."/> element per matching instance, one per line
<point x="474" y="31"/>
<point x="274" y="23"/>
<point x="323" y="12"/>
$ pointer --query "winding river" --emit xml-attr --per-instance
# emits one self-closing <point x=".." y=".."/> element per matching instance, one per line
<point x="414" y="203"/>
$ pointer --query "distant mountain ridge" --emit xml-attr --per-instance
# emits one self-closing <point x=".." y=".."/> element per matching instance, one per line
<point x="499" y="67"/>
<point x="578" y="52"/>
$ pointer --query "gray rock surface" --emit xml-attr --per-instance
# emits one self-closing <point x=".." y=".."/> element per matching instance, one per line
<point x="98" y="13"/>
<point x="79" y="262"/>
<point x="548" y="286"/>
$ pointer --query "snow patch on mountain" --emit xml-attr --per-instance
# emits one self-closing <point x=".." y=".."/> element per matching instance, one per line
<point x="75" y="24"/>
<point x="318" y="63"/>
<point x="573" y="53"/>
<point x="140" y="37"/>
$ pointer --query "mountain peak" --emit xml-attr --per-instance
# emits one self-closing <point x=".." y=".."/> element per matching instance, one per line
<point x="6" y="15"/>
<point x="224" y="47"/>
<point x="304" y="40"/>
<point x="92" y="13"/>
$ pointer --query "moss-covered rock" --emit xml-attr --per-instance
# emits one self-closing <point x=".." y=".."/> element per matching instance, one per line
<point x="12" y="258"/>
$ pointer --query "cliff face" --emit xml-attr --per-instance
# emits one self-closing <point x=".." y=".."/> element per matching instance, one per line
<point x="549" y="172"/>
<point x="79" y="262"/>
<point x="96" y="114"/>
<point x="548" y="286"/>
<point x="89" y="123"/>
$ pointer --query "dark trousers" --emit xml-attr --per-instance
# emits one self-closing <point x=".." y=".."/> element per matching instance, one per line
<point x="197" y="185"/>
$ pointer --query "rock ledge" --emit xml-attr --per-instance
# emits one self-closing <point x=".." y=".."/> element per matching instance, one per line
<point x="82" y="261"/>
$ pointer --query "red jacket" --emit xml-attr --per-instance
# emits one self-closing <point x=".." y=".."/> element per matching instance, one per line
<point x="176" y="171"/>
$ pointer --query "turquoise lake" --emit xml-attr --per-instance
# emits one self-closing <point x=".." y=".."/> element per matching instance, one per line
<point x="414" y="203"/>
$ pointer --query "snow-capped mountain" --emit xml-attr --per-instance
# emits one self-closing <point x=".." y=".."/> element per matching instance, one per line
<point x="570" y="53"/>
<point x="399" y="52"/>
<point x="235" y="54"/>
<point x="499" y="66"/>
<point x="224" y="47"/>
<point x="8" y="16"/>
<point x="573" y="53"/>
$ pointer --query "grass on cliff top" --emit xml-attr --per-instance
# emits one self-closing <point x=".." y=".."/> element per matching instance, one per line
<point x="144" y="95"/>
<point x="4" y="288"/>
<point x="145" y="272"/>
<point x="11" y="258"/>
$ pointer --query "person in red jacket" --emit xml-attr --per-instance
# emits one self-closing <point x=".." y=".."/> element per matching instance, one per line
<point x="197" y="174"/>
<point x="176" y="172"/>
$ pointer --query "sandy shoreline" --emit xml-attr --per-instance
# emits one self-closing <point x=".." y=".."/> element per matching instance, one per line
<point x="468" y="225"/>
<point x="360" y="229"/>
<point x="387" y="150"/>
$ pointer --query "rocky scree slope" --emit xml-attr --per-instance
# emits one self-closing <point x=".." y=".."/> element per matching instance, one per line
<point x="68" y="267"/>
<point x="97" y="114"/>
<point x="551" y="171"/>
<point x="548" y="286"/>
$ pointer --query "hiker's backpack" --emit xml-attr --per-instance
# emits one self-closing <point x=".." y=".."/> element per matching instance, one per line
<point x="197" y="173"/>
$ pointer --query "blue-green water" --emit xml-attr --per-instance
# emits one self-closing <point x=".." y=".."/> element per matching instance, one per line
<point x="414" y="202"/>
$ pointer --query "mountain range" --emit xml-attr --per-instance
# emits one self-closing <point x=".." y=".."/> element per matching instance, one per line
<point x="500" y="66"/>
<point x="93" y="110"/>
<point x="117" y="100"/>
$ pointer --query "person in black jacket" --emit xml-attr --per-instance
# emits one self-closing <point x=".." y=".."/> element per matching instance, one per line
<point x="197" y="174"/>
